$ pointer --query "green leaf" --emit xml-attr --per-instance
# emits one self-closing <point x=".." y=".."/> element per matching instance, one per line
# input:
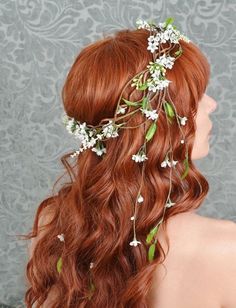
<point x="186" y="164"/>
<point x="151" y="131"/>
<point x="169" y="20"/>
<point x="129" y="103"/>
<point x="144" y="102"/>
<point x="169" y="109"/>
<point x="178" y="52"/>
<point x="59" y="265"/>
<point x="151" y="252"/>
<point x="143" y="86"/>
<point x="151" y="234"/>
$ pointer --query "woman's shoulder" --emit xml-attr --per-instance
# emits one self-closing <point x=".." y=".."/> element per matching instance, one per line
<point x="200" y="261"/>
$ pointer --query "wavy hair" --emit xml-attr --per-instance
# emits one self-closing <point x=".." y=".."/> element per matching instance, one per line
<point x="94" y="207"/>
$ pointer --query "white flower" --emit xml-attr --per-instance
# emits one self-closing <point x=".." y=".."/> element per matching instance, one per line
<point x="183" y="120"/>
<point x="134" y="242"/>
<point x="169" y="204"/>
<point x="153" y="42"/>
<point x="142" y="24"/>
<point x="61" y="237"/>
<point x="140" y="199"/>
<point x="182" y="141"/>
<point x="152" y="47"/>
<point x="167" y="162"/>
<point x="159" y="85"/>
<point x="121" y="110"/>
<point x="99" y="136"/>
<point x="139" y="157"/>
<point x="91" y="265"/>
<point x="99" y="152"/>
<point x="150" y="114"/>
<point x="132" y="218"/>
<point x="109" y="130"/>
<point x="167" y="62"/>
<point x="91" y="142"/>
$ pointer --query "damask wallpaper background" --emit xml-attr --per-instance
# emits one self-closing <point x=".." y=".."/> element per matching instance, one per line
<point x="39" y="40"/>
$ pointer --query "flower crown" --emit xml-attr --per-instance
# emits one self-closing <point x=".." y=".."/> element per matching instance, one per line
<point x="151" y="80"/>
<point x="92" y="136"/>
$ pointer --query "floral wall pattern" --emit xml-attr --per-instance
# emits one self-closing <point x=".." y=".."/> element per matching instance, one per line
<point x="39" y="40"/>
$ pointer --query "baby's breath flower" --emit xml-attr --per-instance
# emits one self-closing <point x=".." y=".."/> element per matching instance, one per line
<point x="140" y="199"/>
<point x="61" y="237"/>
<point x="169" y="204"/>
<point x="142" y="24"/>
<point x="183" y="120"/>
<point x="150" y="114"/>
<point x="121" y="110"/>
<point x="99" y="151"/>
<point x="134" y="242"/>
<point x="139" y="157"/>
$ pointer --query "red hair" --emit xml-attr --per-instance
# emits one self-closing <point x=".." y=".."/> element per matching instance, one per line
<point x="93" y="209"/>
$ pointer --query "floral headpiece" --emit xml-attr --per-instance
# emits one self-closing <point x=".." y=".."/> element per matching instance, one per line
<point x="153" y="80"/>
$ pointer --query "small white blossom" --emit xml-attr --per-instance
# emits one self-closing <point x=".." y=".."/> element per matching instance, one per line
<point x="91" y="265"/>
<point x="132" y="218"/>
<point x="61" y="237"/>
<point x="134" y="242"/>
<point x="159" y="85"/>
<point x="150" y="114"/>
<point x="169" y="204"/>
<point x="139" y="157"/>
<point x="109" y="130"/>
<point x="166" y="163"/>
<point x="142" y="24"/>
<point x="183" y="120"/>
<point x="121" y="110"/>
<point x="99" y="136"/>
<point x="99" y="152"/>
<point x="140" y="199"/>
<point x="182" y="141"/>
<point x="165" y="61"/>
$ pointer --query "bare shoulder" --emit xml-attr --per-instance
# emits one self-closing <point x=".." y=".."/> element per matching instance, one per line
<point x="213" y="243"/>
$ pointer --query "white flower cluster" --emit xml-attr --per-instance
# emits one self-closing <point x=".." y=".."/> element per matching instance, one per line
<point x="150" y="114"/>
<point x="157" y="70"/>
<point x="142" y="24"/>
<point x="89" y="137"/>
<point x="168" y="33"/>
<point x="140" y="157"/>
<point x="166" y="163"/>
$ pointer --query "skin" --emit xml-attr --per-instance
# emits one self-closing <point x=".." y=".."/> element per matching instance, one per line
<point x="206" y="106"/>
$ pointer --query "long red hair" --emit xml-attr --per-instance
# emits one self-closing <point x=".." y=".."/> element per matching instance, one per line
<point x="93" y="209"/>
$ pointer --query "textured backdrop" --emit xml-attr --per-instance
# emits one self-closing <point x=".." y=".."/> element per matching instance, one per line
<point x="38" y="42"/>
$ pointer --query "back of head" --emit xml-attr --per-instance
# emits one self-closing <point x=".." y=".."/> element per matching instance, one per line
<point x="95" y="211"/>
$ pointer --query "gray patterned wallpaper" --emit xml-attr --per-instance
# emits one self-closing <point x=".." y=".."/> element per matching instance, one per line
<point x="39" y="40"/>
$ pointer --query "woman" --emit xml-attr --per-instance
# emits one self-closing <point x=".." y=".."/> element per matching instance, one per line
<point x="106" y="238"/>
